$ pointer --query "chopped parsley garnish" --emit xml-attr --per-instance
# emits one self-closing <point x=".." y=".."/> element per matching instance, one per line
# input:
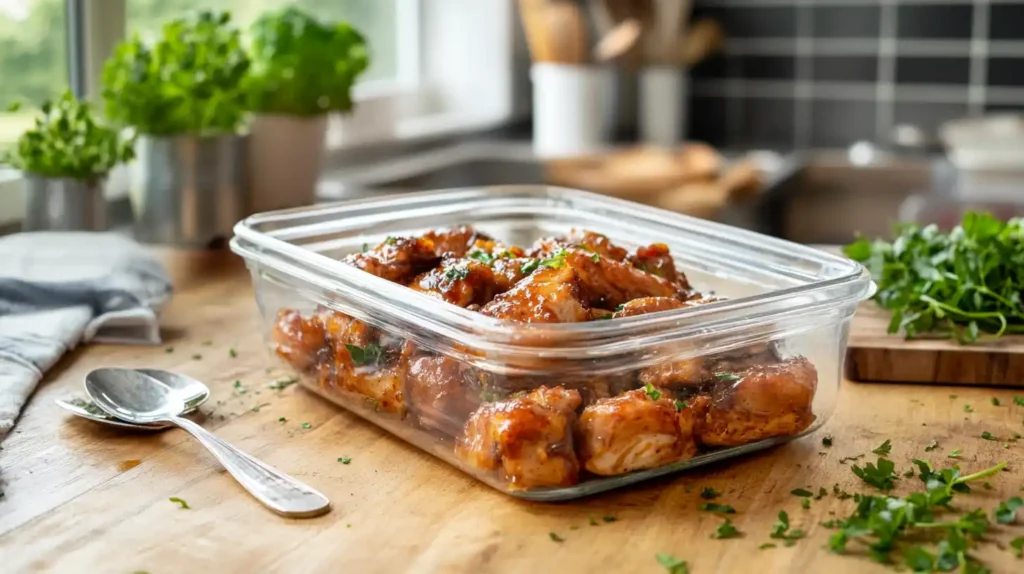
<point x="232" y="353"/>
<point x="529" y="267"/>
<point x="805" y="503"/>
<point x="456" y="272"/>
<point x="197" y="357"/>
<point x="481" y="256"/>
<point x="169" y="350"/>
<point x="932" y="446"/>
<point x="238" y="387"/>
<point x="801" y="492"/>
<point x="1006" y="512"/>
<point x="728" y="377"/>
<point x="995" y="402"/>
<point x="766" y="546"/>
<point x="556" y="260"/>
<point x="389" y="240"/>
<point x="840" y="493"/>
<point x="672" y="564"/>
<point x="368" y="355"/>
<point x="822" y="493"/>
<point x="555" y="538"/>
<point x="608" y="518"/>
<point x="713" y="507"/>
<point x="726" y="530"/>
<point x="680" y="405"/>
<point x="883" y="449"/>
<point x="257" y="408"/>
<point x="282" y="383"/>
<point x="988" y="436"/>
<point x="968" y="409"/>
<point x="620" y="306"/>
<point x="592" y="521"/>
<point x="180" y="502"/>
<point x="826" y="440"/>
<point x="596" y="257"/>
<point x="1018" y="400"/>
<point x="282" y="420"/>
<point x="344" y="460"/>
<point x="1017" y="544"/>
<point x="955" y="453"/>
<point x="652" y="392"/>
<point x="781" y="531"/>
<point x="708" y="493"/>
<point x="307" y="425"/>
<point x="880" y="475"/>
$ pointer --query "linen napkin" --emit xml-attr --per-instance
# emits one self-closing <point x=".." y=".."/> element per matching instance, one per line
<point x="58" y="289"/>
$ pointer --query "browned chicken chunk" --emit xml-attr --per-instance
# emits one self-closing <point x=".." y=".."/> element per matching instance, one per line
<point x="442" y="393"/>
<point x="632" y="432"/>
<point x="529" y="439"/>
<point x="455" y="241"/>
<point x="657" y="260"/>
<point x="297" y="339"/>
<point x="605" y="283"/>
<point x="762" y="402"/>
<point x="670" y="374"/>
<point x="399" y="259"/>
<point x="547" y="296"/>
<point x="461" y="282"/>
<point x="645" y="305"/>
<point x="364" y="371"/>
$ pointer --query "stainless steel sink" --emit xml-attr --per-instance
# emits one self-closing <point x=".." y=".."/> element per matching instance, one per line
<point x="828" y="197"/>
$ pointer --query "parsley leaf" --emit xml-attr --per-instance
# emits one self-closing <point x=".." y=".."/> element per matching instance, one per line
<point x="801" y="492"/>
<point x="883" y="449"/>
<point x="723" y="508"/>
<point x="344" y="460"/>
<point x="361" y="356"/>
<point x="805" y="503"/>
<point x="1017" y="544"/>
<point x="919" y="559"/>
<point x="988" y="436"/>
<point x="307" y="425"/>
<point x="968" y="409"/>
<point x="180" y="502"/>
<point x="232" y="353"/>
<point x="955" y="453"/>
<point x="708" y="493"/>
<point x="672" y="564"/>
<point x="880" y="475"/>
<point x="282" y="383"/>
<point x="995" y="402"/>
<point x="529" y="267"/>
<point x="728" y="377"/>
<point x="555" y="538"/>
<point x="481" y="256"/>
<point x="826" y="440"/>
<point x="1006" y="512"/>
<point x="680" y="405"/>
<point x="726" y="530"/>
<point x="608" y="518"/>
<point x="766" y="546"/>
<point x="1018" y="400"/>
<point x="781" y="531"/>
<point x="652" y="392"/>
<point x="456" y="272"/>
<point x="822" y="493"/>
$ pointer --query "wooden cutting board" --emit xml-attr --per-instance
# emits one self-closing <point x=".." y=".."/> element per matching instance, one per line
<point x="874" y="355"/>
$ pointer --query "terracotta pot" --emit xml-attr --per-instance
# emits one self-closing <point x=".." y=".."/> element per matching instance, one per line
<point x="286" y="155"/>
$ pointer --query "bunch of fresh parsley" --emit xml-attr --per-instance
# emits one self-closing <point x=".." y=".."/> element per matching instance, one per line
<point x="957" y="284"/>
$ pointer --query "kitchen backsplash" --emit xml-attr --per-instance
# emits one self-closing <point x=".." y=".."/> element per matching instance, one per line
<point x="827" y="73"/>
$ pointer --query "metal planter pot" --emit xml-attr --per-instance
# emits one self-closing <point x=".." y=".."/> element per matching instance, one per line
<point x="188" y="191"/>
<point x="61" y="204"/>
<point x="285" y="159"/>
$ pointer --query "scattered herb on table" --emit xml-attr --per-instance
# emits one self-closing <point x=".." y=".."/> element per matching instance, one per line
<point x="988" y="436"/>
<point x="726" y="530"/>
<point x="1018" y="400"/>
<point x="232" y="353"/>
<point x="801" y="492"/>
<point x="1006" y="512"/>
<point x="608" y="518"/>
<point x="1017" y="544"/>
<point x="955" y="453"/>
<point x="238" y="387"/>
<point x="995" y="402"/>
<point x="840" y="493"/>
<point x="282" y="383"/>
<point x="968" y="409"/>
<point x="932" y="446"/>
<point x="169" y="350"/>
<point x="592" y="521"/>
<point x="883" y="449"/>
<point x="822" y="493"/>
<point x="826" y="440"/>
<point x="180" y="502"/>
<point x="766" y="546"/>
<point x="880" y="475"/>
<point x="555" y="538"/>
<point x="805" y="503"/>
<point x="307" y="425"/>
<point x="257" y="408"/>
<point x="282" y="420"/>
<point x="344" y="460"/>
<point x="956" y="284"/>
<point x="672" y="564"/>
<point x="846" y="459"/>
<point x="781" y="531"/>
<point x="713" y="507"/>
<point x="708" y="493"/>
<point x="197" y="357"/>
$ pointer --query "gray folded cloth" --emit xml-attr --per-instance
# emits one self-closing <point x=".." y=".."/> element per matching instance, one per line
<point x="58" y="289"/>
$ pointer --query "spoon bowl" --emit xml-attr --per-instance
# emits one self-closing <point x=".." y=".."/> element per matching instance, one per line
<point x="133" y="396"/>
<point x="193" y="392"/>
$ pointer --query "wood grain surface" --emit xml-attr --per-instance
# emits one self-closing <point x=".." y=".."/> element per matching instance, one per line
<point x="874" y="355"/>
<point x="81" y="498"/>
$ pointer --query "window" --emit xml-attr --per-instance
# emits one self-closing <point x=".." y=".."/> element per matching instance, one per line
<point x="33" y="59"/>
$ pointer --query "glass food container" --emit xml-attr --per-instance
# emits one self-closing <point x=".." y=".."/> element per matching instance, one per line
<point x="555" y="411"/>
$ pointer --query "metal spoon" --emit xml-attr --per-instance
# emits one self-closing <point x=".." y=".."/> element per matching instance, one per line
<point x="192" y="392"/>
<point x="135" y="397"/>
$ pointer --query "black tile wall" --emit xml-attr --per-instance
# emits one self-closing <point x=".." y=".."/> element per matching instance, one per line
<point x="829" y="73"/>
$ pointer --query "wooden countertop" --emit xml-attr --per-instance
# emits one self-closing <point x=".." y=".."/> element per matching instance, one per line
<point x="77" y="501"/>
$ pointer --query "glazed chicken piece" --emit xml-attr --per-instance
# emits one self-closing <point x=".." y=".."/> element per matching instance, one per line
<point x="762" y="402"/>
<point x="605" y="283"/>
<point x="528" y="439"/>
<point x="484" y="249"/>
<point x="399" y="259"/>
<point x="671" y="374"/>
<point x="461" y="282"/>
<point x="340" y="328"/>
<point x="633" y="432"/>
<point x="297" y="339"/>
<point x="366" y="371"/>
<point x="442" y="393"/>
<point x="645" y="305"/>
<point x="656" y="260"/>
<point x="587" y="240"/>
<point x="546" y="296"/>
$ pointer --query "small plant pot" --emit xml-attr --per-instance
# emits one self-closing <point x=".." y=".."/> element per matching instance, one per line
<point x="286" y="155"/>
<point x="61" y="204"/>
<point x="188" y="191"/>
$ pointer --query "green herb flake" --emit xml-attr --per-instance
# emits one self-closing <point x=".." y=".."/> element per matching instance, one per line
<point x="883" y="449"/>
<point x="801" y="492"/>
<point x="708" y="493"/>
<point x="239" y="388"/>
<point x="481" y="256"/>
<point x="179" y="501"/>
<point x="257" y="408"/>
<point x="822" y="493"/>
<point x="1006" y="512"/>
<point x="954" y="453"/>
<point x="766" y="546"/>
<point x="826" y="440"/>
<point x="805" y="503"/>
<point x="529" y="267"/>
<point x="726" y="530"/>
<point x="592" y="521"/>
<point x="282" y="383"/>
<point x="880" y="475"/>
<point x="282" y="420"/>
<point x="727" y="377"/>
<point x="1018" y="400"/>
<point x="781" y="530"/>
<point x="456" y="272"/>
<point x="995" y="402"/>
<point x="932" y="446"/>
<point x="988" y="436"/>
<point x="555" y="538"/>
<point x="232" y="353"/>
<point x="652" y="392"/>
<point x="344" y="460"/>
<point x="680" y="405"/>
<point x="389" y="240"/>
<point x="169" y="350"/>
<point x="608" y="518"/>
<point x="1017" y="544"/>
<point x="672" y="564"/>
<point x="968" y="409"/>
<point x="197" y="357"/>
<point x="363" y="356"/>
<point x="307" y="425"/>
<point x="713" y="507"/>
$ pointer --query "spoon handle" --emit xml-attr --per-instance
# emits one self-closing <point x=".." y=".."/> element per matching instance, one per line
<point x="275" y="489"/>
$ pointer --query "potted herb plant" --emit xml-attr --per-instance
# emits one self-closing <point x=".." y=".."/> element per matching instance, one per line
<point x="184" y="96"/>
<point x="65" y="159"/>
<point x="302" y="70"/>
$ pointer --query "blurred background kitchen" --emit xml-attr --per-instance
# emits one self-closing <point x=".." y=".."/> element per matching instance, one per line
<point x="808" y="119"/>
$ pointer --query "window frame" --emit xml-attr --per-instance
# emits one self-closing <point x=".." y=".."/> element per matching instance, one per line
<point x="419" y="103"/>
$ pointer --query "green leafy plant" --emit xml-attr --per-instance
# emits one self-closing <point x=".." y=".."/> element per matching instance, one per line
<point x="67" y="142"/>
<point x="957" y="284"/>
<point x="302" y="66"/>
<point x="190" y="81"/>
